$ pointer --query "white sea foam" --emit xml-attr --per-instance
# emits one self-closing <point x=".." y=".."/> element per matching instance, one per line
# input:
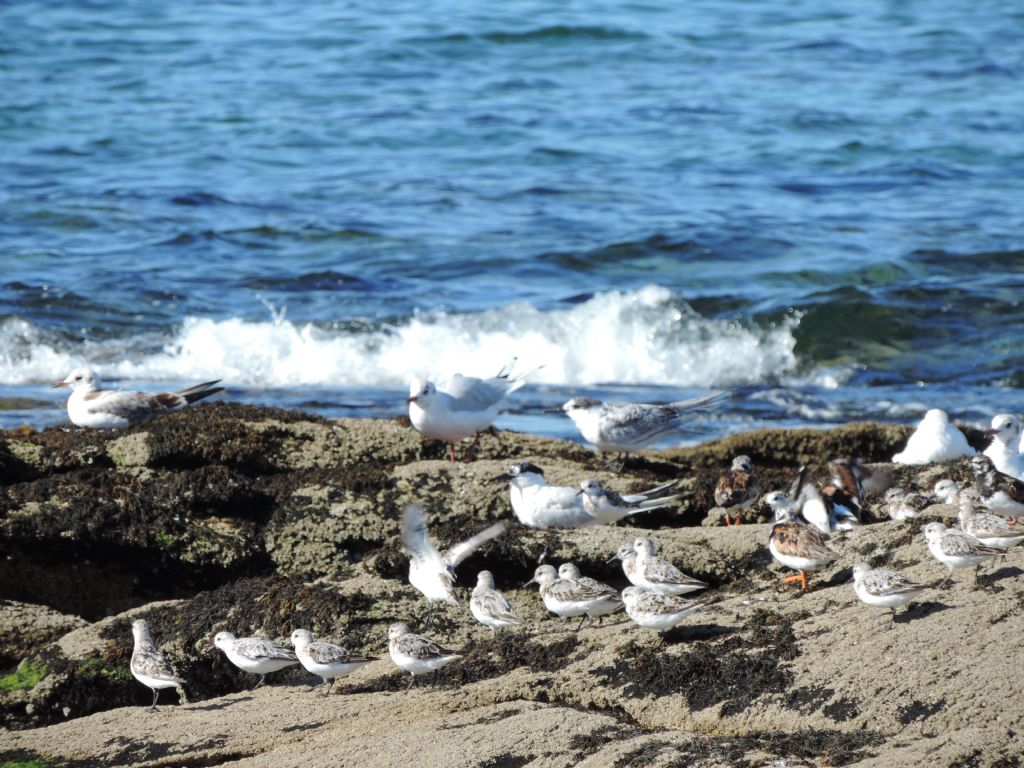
<point x="642" y="337"/>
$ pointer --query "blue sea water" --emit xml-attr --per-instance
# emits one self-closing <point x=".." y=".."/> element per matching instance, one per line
<point x="815" y="202"/>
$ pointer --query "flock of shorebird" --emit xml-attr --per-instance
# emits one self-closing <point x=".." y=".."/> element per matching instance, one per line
<point x="804" y="517"/>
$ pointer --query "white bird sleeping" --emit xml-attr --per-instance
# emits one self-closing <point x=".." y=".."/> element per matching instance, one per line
<point x="935" y="439"/>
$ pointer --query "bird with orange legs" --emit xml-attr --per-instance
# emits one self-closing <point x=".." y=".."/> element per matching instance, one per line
<point x="797" y="546"/>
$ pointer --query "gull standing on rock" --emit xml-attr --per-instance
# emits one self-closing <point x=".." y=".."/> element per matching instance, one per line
<point x="607" y="506"/>
<point x="90" y="406"/>
<point x="416" y="654"/>
<point x="658" y="575"/>
<point x="326" y="660"/>
<point x="462" y="407"/>
<point x="1004" y="450"/>
<point x="880" y="588"/>
<point x="431" y="572"/>
<point x="148" y="665"/>
<point x="800" y="547"/>
<point x="539" y="505"/>
<point x="956" y="549"/>
<point x="258" y="655"/>
<point x="737" y="489"/>
<point x="629" y="427"/>
<point x="935" y="439"/>
<point x="489" y="606"/>
<point x="656" y="610"/>
<point x="568" y="598"/>
<point x="1001" y="493"/>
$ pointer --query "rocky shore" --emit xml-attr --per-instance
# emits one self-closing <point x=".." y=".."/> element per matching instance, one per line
<point x="255" y="520"/>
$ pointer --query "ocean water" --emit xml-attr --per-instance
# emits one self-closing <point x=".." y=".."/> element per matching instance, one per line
<point x="815" y="203"/>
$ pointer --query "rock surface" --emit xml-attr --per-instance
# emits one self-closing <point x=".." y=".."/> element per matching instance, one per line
<point x="259" y="521"/>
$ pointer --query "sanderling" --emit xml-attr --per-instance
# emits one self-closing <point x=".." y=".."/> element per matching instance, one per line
<point x="956" y="549"/>
<point x="880" y="588"/>
<point x="539" y="505"/>
<point x="570" y="572"/>
<point x="416" y="654"/>
<point x="463" y="406"/>
<point x="326" y="660"/>
<point x="902" y="504"/>
<point x="258" y="655"/>
<point x="431" y="572"/>
<point x="568" y="598"/>
<point x="993" y="530"/>
<point x="935" y="439"/>
<point x="658" y="575"/>
<point x="800" y="547"/>
<point x="1001" y="493"/>
<point x="607" y="506"/>
<point x="148" y="665"/>
<point x="1004" y="450"/>
<point x="627" y="555"/>
<point x="625" y="428"/>
<point x="737" y="489"/>
<point x="657" y="610"/>
<point x="90" y="406"/>
<point x="949" y="492"/>
<point x="489" y="606"/>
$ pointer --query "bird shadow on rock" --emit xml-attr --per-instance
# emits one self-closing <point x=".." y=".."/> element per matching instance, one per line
<point x="919" y="611"/>
<point x="990" y="580"/>
<point x="222" y="704"/>
<point x="687" y="634"/>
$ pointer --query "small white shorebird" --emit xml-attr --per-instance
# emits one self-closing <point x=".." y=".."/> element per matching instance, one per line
<point x="257" y="655"/>
<point x="736" y="489"/>
<point x="461" y="407"/>
<point x="1004" y="450"/>
<point x="570" y="572"/>
<point x="956" y="549"/>
<point x="568" y="598"/>
<point x="658" y="575"/>
<point x="539" y="505"/>
<point x="148" y="665"/>
<point x="608" y="507"/>
<point x="656" y="610"/>
<point x="992" y="530"/>
<point x="625" y="428"/>
<point x="326" y="660"/>
<point x="489" y="606"/>
<point x="90" y="406"/>
<point x="880" y="588"/>
<point x="416" y="654"/>
<point x="1001" y="493"/>
<point x="902" y="504"/>
<point x="627" y="556"/>
<point x="800" y="547"/>
<point x="433" y="572"/>
<point x="935" y="439"/>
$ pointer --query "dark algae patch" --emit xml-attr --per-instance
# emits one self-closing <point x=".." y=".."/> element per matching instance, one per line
<point x="733" y="671"/>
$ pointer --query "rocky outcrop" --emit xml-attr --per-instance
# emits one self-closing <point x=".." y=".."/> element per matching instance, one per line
<point x="295" y="524"/>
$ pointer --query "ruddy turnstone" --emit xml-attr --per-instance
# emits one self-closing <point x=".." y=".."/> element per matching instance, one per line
<point x="1001" y="493"/>
<point x="800" y="547"/>
<point x="737" y="489"/>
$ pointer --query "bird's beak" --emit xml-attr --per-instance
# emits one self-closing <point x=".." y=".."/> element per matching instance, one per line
<point x="502" y="478"/>
<point x="411" y="399"/>
<point x="552" y="410"/>
<point x="613" y="558"/>
<point x="531" y="581"/>
<point x="579" y="492"/>
<point x="988" y="432"/>
<point x="59" y="384"/>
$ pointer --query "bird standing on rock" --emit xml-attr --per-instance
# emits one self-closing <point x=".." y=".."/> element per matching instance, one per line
<point x="148" y="665"/>
<point x="935" y="439"/>
<point x="737" y="489"/>
<point x="90" y="406"/>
